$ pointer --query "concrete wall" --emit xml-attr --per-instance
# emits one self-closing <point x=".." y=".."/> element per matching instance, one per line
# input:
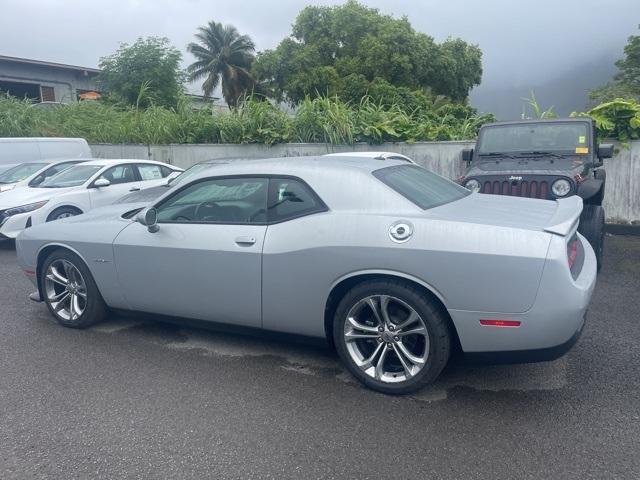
<point x="622" y="198"/>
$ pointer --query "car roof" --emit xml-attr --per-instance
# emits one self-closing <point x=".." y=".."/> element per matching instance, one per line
<point x="541" y="120"/>
<point x="378" y="155"/>
<point x="300" y="166"/>
<point x="343" y="182"/>
<point x="116" y="161"/>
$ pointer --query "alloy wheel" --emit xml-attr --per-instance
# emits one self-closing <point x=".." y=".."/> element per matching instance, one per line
<point x="65" y="290"/>
<point x="386" y="338"/>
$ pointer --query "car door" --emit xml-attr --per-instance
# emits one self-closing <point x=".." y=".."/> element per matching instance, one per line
<point x="205" y="260"/>
<point x="123" y="178"/>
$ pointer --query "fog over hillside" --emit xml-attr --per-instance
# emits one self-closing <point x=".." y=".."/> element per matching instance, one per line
<point x="566" y="91"/>
<point x="558" y="48"/>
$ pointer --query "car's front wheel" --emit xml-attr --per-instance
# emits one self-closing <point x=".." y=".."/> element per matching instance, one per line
<point x="63" y="212"/>
<point x="391" y="336"/>
<point x="70" y="291"/>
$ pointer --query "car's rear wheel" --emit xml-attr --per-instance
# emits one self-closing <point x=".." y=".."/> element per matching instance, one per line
<point x="391" y="336"/>
<point x="63" y="212"/>
<point x="70" y="291"/>
<point x="592" y="227"/>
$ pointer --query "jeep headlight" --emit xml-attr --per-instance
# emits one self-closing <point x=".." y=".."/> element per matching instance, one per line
<point x="6" y="188"/>
<point x="24" y="208"/>
<point x="473" y="185"/>
<point x="561" y="187"/>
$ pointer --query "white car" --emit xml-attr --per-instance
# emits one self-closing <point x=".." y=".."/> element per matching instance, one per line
<point x="32" y="174"/>
<point x="375" y="155"/>
<point x="77" y="190"/>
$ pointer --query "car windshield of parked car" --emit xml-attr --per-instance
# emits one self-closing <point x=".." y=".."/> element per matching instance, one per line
<point x="71" y="177"/>
<point x="556" y="137"/>
<point x="420" y="186"/>
<point x="190" y="173"/>
<point x="20" y="172"/>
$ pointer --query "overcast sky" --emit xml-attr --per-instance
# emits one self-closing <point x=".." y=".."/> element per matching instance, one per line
<point x="525" y="43"/>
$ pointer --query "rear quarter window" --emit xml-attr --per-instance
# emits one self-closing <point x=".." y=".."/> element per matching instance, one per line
<point x="420" y="186"/>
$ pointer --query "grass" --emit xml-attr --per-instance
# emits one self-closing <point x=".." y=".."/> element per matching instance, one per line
<point x="322" y="119"/>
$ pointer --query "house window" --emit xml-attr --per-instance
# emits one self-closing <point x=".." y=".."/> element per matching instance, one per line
<point x="47" y="94"/>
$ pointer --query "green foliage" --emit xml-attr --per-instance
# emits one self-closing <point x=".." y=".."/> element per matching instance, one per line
<point x="626" y="83"/>
<point x="223" y="56"/>
<point x="537" y="110"/>
<point x="319" y="119"/>
<point x="351" y="50"/>
<point x="618" y="119"/>
<point x="150" y="66"/>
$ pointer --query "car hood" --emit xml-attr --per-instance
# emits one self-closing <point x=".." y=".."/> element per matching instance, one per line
<point x="24" y="196"/>
<point x="105" y="214"/>
<point x="7" y="187"/>
<point x="505" y="211"/>
<point x="537" y="166"/>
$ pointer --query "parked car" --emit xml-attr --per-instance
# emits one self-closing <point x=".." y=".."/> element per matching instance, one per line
<point x="16" y="150"/>
<point x="146" y="195"/>
<point x="32" y="174"/>
<point x="547" y="158"/>
<point x="77" y="190"/>
<point x="391" y="263"/>
<point x="376" y="155"/>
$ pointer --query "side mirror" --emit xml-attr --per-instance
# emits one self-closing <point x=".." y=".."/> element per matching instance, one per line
<point x="605" y="150"/>
<point x="467" y="155"/>
<point x="101" y="182"/>
<point x="149" y="218"/>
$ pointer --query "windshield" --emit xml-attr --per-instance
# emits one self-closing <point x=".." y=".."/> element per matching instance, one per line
<point x="20" y="172"/>
<point x="190" y="172"/>
<point x="71" y="177"/>
<point x="570" y="137"/>
<point x="420" y="186"/>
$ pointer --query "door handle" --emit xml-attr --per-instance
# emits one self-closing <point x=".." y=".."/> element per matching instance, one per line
<point x="134" y="189"/>
<point x="246" y="241"/>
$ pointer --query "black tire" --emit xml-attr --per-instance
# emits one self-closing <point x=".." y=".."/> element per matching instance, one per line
<point x="430" y="313"/>
<point x="94" y="311"/>
<point x="63" y="212"/>
<point x="592" y="227"/>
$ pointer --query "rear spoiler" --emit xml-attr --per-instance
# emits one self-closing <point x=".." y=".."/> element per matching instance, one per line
<point x="566" y="217"/>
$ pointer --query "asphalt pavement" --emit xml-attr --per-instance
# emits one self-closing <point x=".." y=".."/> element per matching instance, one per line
<point x="136" y="398"/>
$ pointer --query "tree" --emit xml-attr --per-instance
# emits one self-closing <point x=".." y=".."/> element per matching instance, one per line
<point x="146" y="72"/>
<point x="626" y="82"/>
<point x="333" y="49"/>
<point x="223" y="56"/>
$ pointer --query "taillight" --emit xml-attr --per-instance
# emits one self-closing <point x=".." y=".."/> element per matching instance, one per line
<point x="572" y="251"/>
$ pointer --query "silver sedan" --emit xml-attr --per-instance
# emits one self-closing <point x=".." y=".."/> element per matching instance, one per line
<point x="392" y="264"/>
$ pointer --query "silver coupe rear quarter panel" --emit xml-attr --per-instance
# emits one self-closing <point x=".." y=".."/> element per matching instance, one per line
<point x="468" y="266"/>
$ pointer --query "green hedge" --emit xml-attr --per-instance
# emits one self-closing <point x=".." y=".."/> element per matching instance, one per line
<point x="255" y="121"/>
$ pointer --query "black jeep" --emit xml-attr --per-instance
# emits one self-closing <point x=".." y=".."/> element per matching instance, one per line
<point x="548" y="159"/>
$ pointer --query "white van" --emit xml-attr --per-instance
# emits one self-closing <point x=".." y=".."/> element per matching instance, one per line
<point x="14" y="151"/>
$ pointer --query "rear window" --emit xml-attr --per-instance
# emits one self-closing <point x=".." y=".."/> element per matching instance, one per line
<point x="420" y="186"/>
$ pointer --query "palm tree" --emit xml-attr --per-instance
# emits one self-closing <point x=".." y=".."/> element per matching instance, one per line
<point x="222" y="56"/>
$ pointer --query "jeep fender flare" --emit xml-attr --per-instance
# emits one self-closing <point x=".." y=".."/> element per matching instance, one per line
<point x="590" y="187"/>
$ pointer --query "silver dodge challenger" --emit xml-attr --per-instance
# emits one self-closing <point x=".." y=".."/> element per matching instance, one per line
<point x="395" y="266"/>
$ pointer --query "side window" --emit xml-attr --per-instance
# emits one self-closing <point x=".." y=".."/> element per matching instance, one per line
<point x="120" y="174"/>
<point x="166" y="171"/>
<point x="290" y="198"/>
<point x="218" y="200"/>
<point x="150" y="172"/>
